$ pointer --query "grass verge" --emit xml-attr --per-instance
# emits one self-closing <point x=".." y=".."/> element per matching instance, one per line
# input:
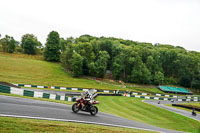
<point x="8" y="124"/>
<point x="135" y="109"/>
<point x="27" y="70"/>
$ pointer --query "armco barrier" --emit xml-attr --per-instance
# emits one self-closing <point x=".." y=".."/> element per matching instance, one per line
<point x="4" y="89"/>
<point x="12" y="90"/>
<point x="161" y="98"/>
<point x="17" y="91"/>
<point x="187" y="106"/>
<point x="105" y="91"/>
<point x="64" y="88"/>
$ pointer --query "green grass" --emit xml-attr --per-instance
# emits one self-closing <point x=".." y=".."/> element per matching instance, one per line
<point x="135" y="109"/>
<point x="18" y="125"/>
<point x="147" y="90"/>
<point x="30" y="70"/>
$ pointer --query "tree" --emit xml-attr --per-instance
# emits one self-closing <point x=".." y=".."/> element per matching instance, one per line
<point x="196" y="84"/>
<point x="185" y="81"/>
<point x="140" y="73"/>
<point x="11" y="45"/>
<point x="118" y="66"/>
<point x="4" y="44"/>
<point x="30" y="44"/>
<point x="76" y="63"/>
<point x="132" y="61"/>
<point x="146" y="75"/>
<point x="150" y="63"/>
<point x="98" y="68"/>
<point x="159" y="78"/>
<point x="52" y="48"/>
<point x="66" y="56"/>
<point x="101" y="63"/>
<point x="85" y="49"/>
<point x="92" y="69"/>
<point x="8" y="44"/>
<point x="63" y="44"/>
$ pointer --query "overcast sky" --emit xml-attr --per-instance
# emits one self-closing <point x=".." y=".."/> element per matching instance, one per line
<point x="175" y="22"/>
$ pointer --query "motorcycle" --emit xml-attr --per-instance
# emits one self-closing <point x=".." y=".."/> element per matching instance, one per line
<point x="89" y="103"/>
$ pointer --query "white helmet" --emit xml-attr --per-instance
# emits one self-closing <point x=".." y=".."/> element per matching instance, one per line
<point x="87" y="93"/>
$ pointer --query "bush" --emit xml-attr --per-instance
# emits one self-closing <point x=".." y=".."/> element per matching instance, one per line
<point x="170" y="80"/>
<point x="1" y="50"/>
<point x="19" y="50"/>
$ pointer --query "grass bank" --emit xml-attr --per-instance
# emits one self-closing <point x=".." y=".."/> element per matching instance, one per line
<point x="135" y="109"/>
<point x="27" y="69"/>
<point x="8" y="124"/>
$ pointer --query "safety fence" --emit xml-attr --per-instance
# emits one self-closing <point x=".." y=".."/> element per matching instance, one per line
<point x="187" y="106"/>
<point x="66" y="88"/>
<point x="162" y="98"/>
<point x="22" y="92"/>
<point x="106" y="91"/>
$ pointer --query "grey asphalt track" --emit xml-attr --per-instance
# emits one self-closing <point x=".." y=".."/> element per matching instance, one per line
<point x="178" y="111"/>
<point x="35" y="108"/>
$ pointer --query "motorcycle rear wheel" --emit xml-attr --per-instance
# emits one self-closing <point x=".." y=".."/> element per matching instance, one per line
<point x="74" y="108"/>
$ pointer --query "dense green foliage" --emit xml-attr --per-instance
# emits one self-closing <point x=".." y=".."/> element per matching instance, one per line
<point x="52" y="48"/>
<point x="132" y="61"/>
<point x="76" y="63"/>
<point x="30" y="44"/>
<point x="8" y="44"/>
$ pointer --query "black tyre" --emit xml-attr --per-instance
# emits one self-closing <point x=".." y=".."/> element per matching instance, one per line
<point x="93" y="110"/>
<point x="74" y="108"/>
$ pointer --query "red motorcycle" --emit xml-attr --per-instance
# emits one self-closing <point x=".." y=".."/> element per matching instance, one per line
<point x="88" y="103"/>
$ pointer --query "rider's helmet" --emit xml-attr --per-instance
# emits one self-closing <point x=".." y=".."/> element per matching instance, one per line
<point x="87" y="94"/>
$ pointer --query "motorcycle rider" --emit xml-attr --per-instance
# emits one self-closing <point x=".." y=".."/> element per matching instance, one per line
<point x="85" y="100"/>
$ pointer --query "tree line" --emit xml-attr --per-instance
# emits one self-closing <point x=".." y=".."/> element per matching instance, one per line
<point x="130" y="61"/>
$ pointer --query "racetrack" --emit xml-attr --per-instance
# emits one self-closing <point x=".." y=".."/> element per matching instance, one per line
<point x="13" y="106"/>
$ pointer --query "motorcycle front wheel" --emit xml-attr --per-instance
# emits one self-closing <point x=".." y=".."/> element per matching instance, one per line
<point x="74" y="108"/>
<point x="93" y="110"/>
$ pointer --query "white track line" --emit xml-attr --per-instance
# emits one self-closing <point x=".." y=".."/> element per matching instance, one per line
<point x="76" y="121"/>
